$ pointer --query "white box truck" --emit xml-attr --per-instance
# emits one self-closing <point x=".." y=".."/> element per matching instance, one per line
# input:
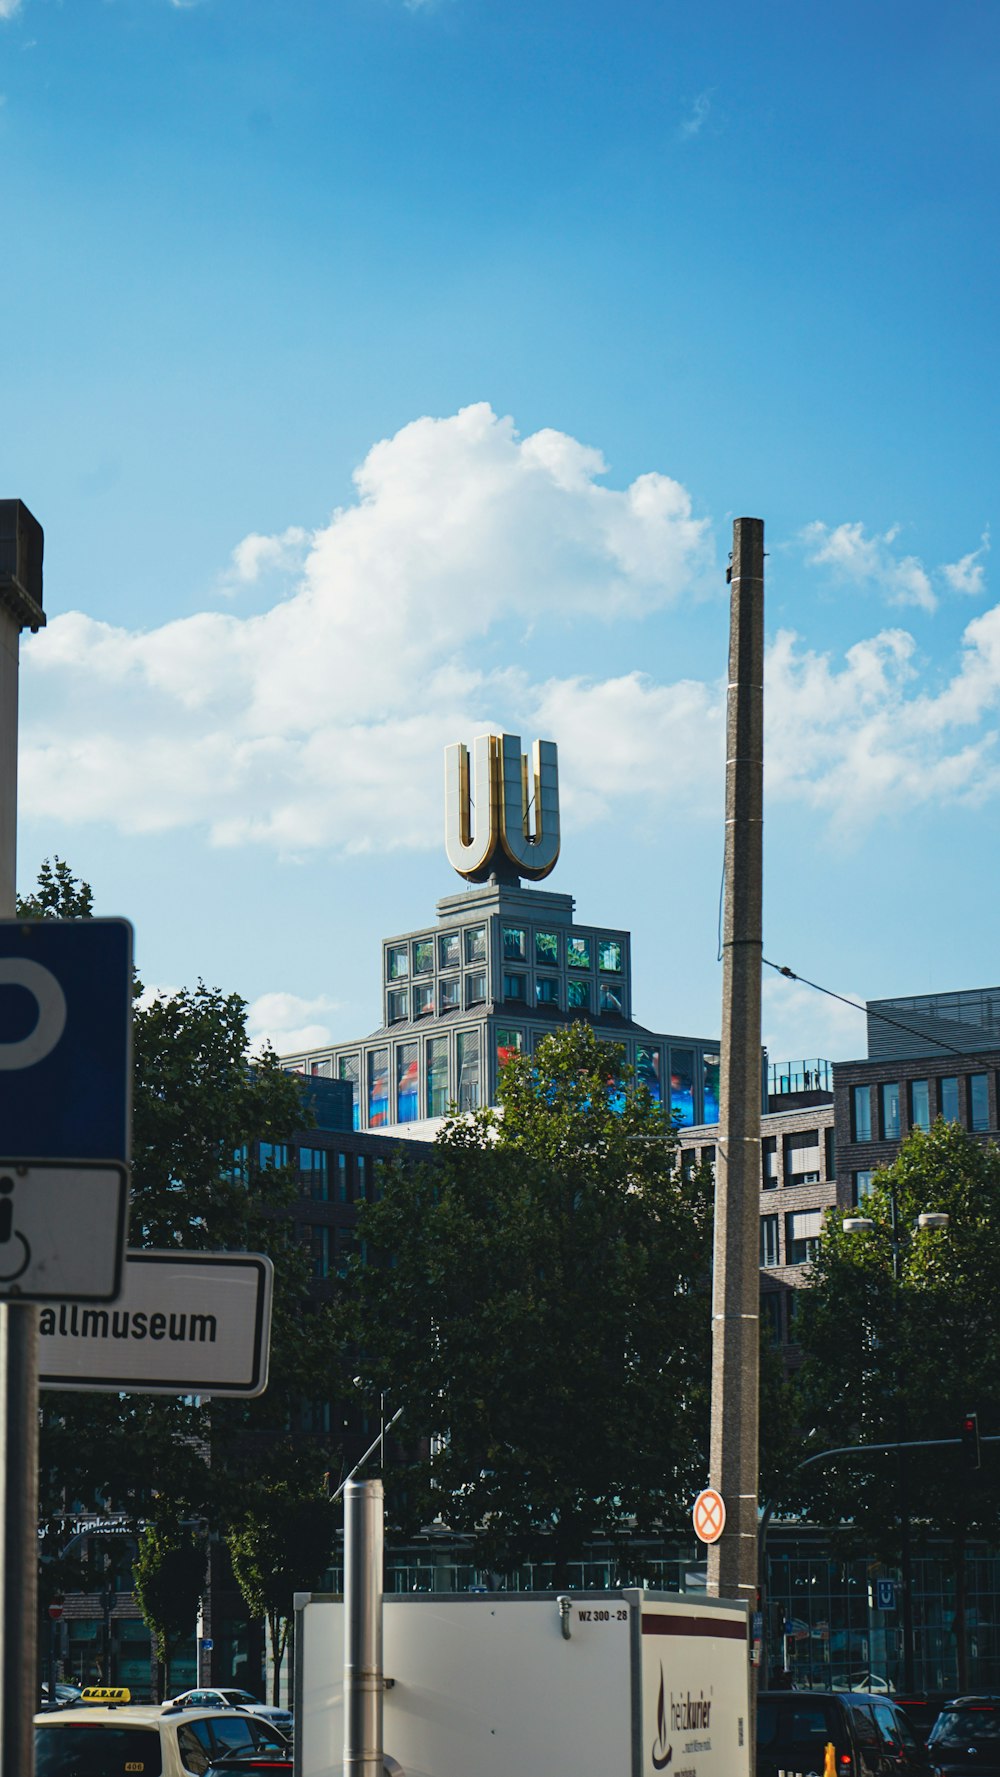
<point x="527" y="1684"/>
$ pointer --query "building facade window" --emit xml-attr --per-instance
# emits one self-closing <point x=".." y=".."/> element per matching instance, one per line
<point x="515" y="944"/>
<point x="398" y="1005"/>
<point x="769" y="1240"/>
<point x="349" y="1069"/>
<point x="547" y="990"/>
<point x="578" y="995"/>
<point x="710" y="1108"/>
<point x="861" y="1113"/>
<point x="611" y="998"/>
<point x="407" y="1083"/>
<point x="313" y="1174"/>
<point x="862" y="1184"/>
<point x="378" y="1088"/>
<point x="271" y="1155"/>
<point x="509" y="1043"/>
<point x="920" y="1104"/>
<point x="770" y="1316"/>
<point x="319" y="1251"/>
<point x="475" y="988"/>
<point x="423" y="956"/>
<point x="438" y="1095"/>
<point x="769" y="1163"/>
<point x="889" y="1095"/>
<point x="802" y="1232"/>
<point x="475" y="944"/>
<point x="423" y="999"/>
<point x="682" y="1086"/>
<point x="397" y="962"/>
<point x="647" y="1071"/>
<point x="363" y="1165"/>
<point x="609" y="956"/>
<point x="515" y="986"/>
<point x="449" y="951"/>
<point x="802" y="1158"/>
<point x="578" y="953"/>
<point x="547" y="950"/>
<point x="449" y="993"/>
<point x="949" y="1098"/>
<point x="467" y="1053"/>
<point x="343" y="1178"/>
<point x="979" y="1102"/>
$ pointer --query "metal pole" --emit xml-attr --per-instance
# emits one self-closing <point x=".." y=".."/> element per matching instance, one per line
<point x="732" y="1561"/>
<point x="363" y="1543"/>
<point x="905" y="1553"/>
<point x="18" y="1321"/>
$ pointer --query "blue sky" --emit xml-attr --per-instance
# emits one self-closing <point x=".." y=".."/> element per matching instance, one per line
<point x="383" y="372"/>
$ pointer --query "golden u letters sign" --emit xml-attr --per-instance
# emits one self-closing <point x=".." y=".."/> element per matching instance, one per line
<point x="503" y="818"/>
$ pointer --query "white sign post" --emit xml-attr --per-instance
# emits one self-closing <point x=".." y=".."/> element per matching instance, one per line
<point x="184" y="1323"/>
<point x="62" y="1230"/>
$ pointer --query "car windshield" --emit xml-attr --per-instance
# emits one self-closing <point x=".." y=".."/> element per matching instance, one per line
<point x="238" y="1696"/>
<point x="90" y="1749"/>
<point x="794" y="1722"/>
<point x="958" y="1727"/>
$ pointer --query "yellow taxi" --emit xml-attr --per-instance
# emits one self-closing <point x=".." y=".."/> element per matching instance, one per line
<point x="107" y="1735"/>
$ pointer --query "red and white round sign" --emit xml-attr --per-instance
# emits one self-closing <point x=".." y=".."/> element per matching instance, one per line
<point x="709" y="1516"/>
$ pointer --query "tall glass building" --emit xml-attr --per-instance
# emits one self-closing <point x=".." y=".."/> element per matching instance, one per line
<point x="502" y="966"/>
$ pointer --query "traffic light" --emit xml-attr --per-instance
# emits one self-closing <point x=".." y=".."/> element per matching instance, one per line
<point x="970" y="1440"/>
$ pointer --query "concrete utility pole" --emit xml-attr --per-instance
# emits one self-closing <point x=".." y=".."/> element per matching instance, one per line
<point x="20" y="608"/>
<point x="732" y="1561"/>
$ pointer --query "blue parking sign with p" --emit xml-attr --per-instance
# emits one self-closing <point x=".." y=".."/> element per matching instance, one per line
<point x="65" y="1039"/>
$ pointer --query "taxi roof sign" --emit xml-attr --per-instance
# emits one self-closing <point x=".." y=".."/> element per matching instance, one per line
<point x="106" y="1693"/>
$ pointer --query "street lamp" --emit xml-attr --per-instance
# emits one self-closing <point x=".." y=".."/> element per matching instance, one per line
<point x="926" y="1220"/>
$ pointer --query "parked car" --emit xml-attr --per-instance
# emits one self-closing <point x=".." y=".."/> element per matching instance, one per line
<point x="966" y="1738"/>
<point x="65" y="1695"/>
<point x="101" y="1736"/>
<point x="870" y="1735"/>
<point x="228" y="1697"/>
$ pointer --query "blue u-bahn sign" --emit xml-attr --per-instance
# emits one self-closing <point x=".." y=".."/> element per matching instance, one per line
<point x="66" y="1039"/>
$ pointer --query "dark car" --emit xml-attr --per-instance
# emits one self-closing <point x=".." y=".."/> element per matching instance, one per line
<point x="966" y="1738"/>
<point x="870" y="1735"/>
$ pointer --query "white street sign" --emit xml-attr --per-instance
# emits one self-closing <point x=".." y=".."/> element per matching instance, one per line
<point x="62" y="1230"/>
<point x="185" y="1323"/>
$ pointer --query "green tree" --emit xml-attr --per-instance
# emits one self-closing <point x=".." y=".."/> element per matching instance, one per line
<point x="169" y="1575"/>
<point x="887" y="1361"/>
<point x="58" y="894"/>
<point x="540" y="1311"/>
<point x="280" y="1545"/>
<point x="200" y="1105"/>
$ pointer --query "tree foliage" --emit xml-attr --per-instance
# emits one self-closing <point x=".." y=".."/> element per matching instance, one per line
<point x="199" y="1107"/>
<point x="884" y="1362"/>
<point x="169" y="1578"/>
<point x="279" y="1546"/>
<point x="58" y="894"/>
<point x="540" y="1311"/>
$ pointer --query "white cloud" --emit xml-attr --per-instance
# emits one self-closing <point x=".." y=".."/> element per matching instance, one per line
<point x="697" y="117"/>
<point x="800" y="1024"/>
<point x="969" y="575"/>
<point x="299" y="726"/>
<point x="319" y="721"/>
<point x="288" y="1022"/>
<point x="859" y="557"/>
<point x="257" y="555"/>
<point x="9" y="8"/>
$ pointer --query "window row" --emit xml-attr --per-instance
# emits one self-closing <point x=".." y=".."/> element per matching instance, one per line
<point x="444" y="951"/>
<point x="428" y="1076"/>
<point x="456" y="991"/>
<point x="876" y="1111"/>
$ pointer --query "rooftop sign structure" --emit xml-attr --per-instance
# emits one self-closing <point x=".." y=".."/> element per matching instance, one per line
<point x="503" y="822"/>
